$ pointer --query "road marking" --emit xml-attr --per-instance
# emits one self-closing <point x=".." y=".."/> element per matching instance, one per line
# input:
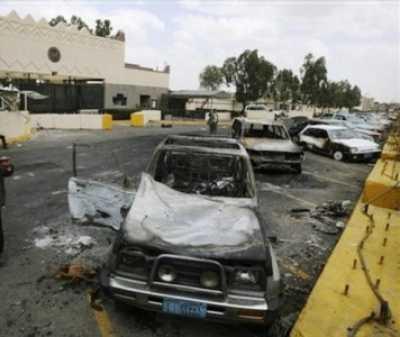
<point x="267" y="187"/>
<point x="331" y="179"/>
<point x="103" y="321"/>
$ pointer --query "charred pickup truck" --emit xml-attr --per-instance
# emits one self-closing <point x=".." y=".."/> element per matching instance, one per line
<point x="192" y="242"/>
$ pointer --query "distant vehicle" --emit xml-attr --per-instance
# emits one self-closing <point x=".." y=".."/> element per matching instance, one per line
<point x="192" y="242"/>
<point x="353" y="122"/>
<point x="259" y="111"/>
<point x="295" y="125"/>
<point x="268" y="143"/>
<point x="339" y="142"/>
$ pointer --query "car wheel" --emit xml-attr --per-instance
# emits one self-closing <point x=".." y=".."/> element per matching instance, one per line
<point x="338" y="155"/>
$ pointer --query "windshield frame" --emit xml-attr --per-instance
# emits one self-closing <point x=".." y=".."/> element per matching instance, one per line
<point x="247" y="176"/>
<point x="249" y="127"/>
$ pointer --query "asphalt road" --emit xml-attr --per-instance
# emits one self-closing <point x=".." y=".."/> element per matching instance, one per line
<point x="40" y="237"/>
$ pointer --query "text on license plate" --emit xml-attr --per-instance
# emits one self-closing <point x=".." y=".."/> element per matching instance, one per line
<point x="184" y="308"/>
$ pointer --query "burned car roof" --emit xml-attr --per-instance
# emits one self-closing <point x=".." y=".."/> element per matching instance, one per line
<point x="222" y="145"/>
<point x="260" y="121"/>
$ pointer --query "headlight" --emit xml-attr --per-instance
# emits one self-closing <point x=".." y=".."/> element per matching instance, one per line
<point x="166" y="273"/>
<point x="354" y="149"/>
<point x="246" y="276"/>
<point x="209" y="279"/>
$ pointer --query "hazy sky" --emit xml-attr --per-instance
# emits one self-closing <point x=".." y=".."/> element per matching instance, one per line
<point x="360" y="39"/>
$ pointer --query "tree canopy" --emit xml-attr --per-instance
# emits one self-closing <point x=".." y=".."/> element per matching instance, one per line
<point x="251" y="75"/>
<point x="211" y="78"/>
<point x="103" y="27"/>
<point x="314" y="78"/>
<point x="286" y="87"/>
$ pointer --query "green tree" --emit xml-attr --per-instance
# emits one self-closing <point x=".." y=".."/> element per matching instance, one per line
<point x="285" y="87"/>
<point x="251" y="75"/>
<point x="314" y="77"/>
<point x="103" y="28"/>
<point x="54" y="21"/>
<point x="78" y="21"/>
<point x="211" y="78"/>
<point x="352" y="97"/>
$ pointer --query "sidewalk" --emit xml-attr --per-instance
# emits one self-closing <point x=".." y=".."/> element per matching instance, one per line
<point x="358" y="291"/>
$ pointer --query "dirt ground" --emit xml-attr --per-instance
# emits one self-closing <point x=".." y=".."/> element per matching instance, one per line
<point x="40" y="237"/>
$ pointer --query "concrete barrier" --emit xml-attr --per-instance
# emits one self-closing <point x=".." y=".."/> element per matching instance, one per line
<point x="142" y="118"/>
<point x="15" y="126"/>
<point x="72" y="121"/>
<point x="362" y="274"/>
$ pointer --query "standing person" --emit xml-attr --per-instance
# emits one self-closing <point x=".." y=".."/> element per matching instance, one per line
<point x="213" y="122"/>
<point x="6" y="170"/>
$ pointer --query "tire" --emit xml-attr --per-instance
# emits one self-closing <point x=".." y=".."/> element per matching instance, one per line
<point x="338" y="155"/>
<point x="297" y="168"/>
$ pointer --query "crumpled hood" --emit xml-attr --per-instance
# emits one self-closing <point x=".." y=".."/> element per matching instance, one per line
<point x="358" y="143"/>
<point x="263" y="144"/>
<point x="181" y="223"/>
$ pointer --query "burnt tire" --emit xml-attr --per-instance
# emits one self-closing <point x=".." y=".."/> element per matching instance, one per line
<point x="338" y="155"/>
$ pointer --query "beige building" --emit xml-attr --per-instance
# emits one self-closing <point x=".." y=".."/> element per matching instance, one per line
<point x="65" y="62"/>
<point x="367" y="104"/>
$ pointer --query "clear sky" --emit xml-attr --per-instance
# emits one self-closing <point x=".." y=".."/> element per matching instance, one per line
<point x="360" y="39"/>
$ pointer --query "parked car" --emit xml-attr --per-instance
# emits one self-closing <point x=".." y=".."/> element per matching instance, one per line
<point x="295" y="125"/>
<point x="339" y="142"/>
<point x="192" y="242"/>
<point x="268" y="143"/>
<point x="259" y="111"/>
<point x="353" y="122"/>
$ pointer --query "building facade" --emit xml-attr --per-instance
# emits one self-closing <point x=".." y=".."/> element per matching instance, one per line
<point x="75" y="66"/>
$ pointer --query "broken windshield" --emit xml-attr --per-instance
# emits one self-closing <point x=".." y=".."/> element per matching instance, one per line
<point x="265" y="131"/>
<point x="204" y="173"/>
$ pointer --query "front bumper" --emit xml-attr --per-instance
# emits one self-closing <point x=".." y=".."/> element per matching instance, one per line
<point x="365" y="155"/>
<point x="261" y="161"/>
<point x="233" y="308"/>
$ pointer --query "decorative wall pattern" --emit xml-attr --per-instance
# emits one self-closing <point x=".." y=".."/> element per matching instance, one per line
<point x="25" y="44"/>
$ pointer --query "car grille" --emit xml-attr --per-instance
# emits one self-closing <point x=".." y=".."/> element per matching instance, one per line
<point x="276" y="155"/>
<point x="188" y="272"/>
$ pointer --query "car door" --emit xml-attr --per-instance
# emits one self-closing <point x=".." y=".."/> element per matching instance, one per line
<point x="323" y="141"/>
<point x="307" y="137"/>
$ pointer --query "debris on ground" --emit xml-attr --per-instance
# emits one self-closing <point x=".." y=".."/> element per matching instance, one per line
<point x="70" y="243"/>
<point x="76" y="273"/>
<point x="327" y="218"/>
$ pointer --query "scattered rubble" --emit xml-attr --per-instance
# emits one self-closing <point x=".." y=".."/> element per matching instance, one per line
<point x="71" y="244"/>
<point x="327" y="218"/>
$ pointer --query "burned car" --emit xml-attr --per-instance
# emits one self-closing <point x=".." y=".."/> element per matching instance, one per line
<point x="339" y="142"/>
<point x="268" y="143"/>
<point x="192" y="242"/>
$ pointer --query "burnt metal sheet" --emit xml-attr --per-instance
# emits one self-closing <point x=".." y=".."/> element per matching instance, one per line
<point x="98" y="203"/>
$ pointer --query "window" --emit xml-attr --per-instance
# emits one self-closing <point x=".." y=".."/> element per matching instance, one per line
<point x="204" y="173"/>
<point x="145" y="101"/>
<point x="266" y="131"/>
<point x="119" y="99"/>
<point x="311" y="132"/>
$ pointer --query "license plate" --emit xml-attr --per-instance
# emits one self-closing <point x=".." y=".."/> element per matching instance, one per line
<point x="184" y="308"/>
